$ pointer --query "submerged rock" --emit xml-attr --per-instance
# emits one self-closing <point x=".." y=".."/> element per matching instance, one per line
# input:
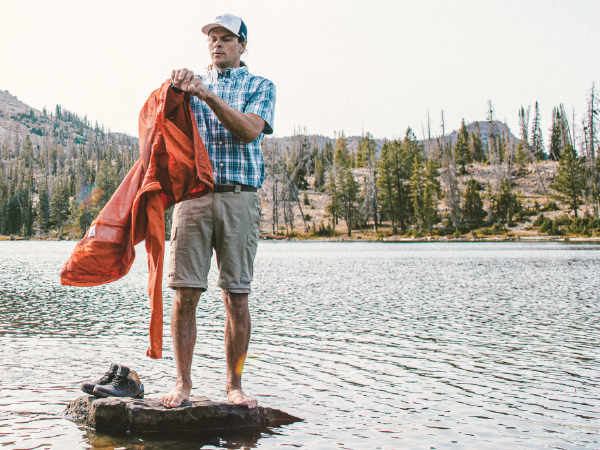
<point x="148" y="415"/>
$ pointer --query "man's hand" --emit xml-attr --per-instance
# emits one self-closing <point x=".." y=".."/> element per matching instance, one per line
<point x="246" y="127"/>
<point x="185" y="80"/>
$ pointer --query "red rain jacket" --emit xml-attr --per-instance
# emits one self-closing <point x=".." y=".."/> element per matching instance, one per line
<point x="173" y="167"/>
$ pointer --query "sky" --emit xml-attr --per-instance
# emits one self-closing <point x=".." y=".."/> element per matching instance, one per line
<point x="352" y="65"/>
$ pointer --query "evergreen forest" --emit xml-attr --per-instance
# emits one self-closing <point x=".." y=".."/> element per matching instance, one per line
<point x="58" y="170"/>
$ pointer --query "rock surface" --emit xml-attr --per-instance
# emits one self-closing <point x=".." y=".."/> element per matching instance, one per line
<point x="148" y="415"/>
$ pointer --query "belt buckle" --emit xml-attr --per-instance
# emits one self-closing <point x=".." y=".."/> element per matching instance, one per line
<point x="238" y="188"/>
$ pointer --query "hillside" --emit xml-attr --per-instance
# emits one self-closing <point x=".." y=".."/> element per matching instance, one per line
<point x="526" y="184"/>
<point x="67" y="152"/>
<point x="66" y="128"/>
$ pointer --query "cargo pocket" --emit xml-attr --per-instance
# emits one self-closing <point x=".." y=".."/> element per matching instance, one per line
<point x="258" y="209"/>
<point x="249" y="254"/>
<point x="173" y="244"/>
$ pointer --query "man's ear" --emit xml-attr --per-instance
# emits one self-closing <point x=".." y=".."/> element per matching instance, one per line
<point x="243" y="47"/>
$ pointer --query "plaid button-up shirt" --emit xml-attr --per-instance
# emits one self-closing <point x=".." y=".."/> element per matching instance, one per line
<point x="232" y="160"/>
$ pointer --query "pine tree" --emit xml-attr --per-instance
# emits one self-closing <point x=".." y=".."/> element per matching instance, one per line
<point x="537" y="141"/>
<point x="432" y="174"/>
<point x="417" y="192"/>
<point x="83" y="218"/>
<point x="506" y="204"/>
<point x="332" y="189"/>
<point x="429" y="212"/>
<point x="522" y="156"/>
<point x="13" y="219"/>
<point x="347" y="191"/>
<point x="366" y="148"/>
<point x="473" y="211"/>
<point x="570" y="179"/>
<point x="328" y="153"/>
<point x="395" y="169"/>
<point x="462" y="153"/>
<point x="59" y="207"/>
<point x="555" y="135"/>
<point x="450" y="177"/>
<point x="43" y="208"/>
<point x="386" y="183"/>
<point x="411" y="148"/>
<point x="342" y="154"/>
<point x="370" y="205"/>
<point x="106" y="184"/>
<point x="27" y="207"/>
<point x="319" y="173"/>
<point x="27" y="154"/>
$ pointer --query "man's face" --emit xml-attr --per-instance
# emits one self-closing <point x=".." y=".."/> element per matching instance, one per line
<point x="225" y="50"/>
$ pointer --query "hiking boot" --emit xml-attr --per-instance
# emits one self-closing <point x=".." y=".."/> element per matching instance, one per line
<point x="126" y="383"/>
<point x="89" y="386"/>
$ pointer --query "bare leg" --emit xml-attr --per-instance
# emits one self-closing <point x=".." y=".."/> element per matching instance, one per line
<point x="183" y="331"/>
<point x="237" y="337"/>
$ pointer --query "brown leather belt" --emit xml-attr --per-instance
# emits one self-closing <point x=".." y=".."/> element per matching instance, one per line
<point x="234" y="188"/>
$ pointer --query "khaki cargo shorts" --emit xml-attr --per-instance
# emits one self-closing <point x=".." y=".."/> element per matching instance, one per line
<point x="226" y="221"/>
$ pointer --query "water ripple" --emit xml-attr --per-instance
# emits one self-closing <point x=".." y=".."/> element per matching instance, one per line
<point x="375" y="345"/>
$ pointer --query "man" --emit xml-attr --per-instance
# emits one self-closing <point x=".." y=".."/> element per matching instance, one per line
<point x="233" y="110"/>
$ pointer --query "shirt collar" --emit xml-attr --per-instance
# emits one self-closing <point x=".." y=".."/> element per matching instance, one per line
<point x="229" y="73"/>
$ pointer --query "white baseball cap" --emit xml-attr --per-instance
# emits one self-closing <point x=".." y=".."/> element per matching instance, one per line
<point x="231" y="22"/>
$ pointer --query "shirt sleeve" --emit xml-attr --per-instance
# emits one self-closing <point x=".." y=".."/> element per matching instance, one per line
<point x="262" y="103"/>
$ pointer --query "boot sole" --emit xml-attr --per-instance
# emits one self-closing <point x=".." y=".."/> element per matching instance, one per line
<point x="103" y="395"/>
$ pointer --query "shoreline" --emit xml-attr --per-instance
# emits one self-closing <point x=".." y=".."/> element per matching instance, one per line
<point x="395" y="239"/>
<point x="391" y="239"/>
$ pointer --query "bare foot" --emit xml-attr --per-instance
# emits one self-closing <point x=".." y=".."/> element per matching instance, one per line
<point x="174" y="398"/>
<point x="237" y="397"/>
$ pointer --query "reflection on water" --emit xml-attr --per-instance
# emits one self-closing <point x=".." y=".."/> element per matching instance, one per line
<point x="376" y="345"/>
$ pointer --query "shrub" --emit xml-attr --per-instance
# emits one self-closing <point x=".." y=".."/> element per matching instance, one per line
<point x="546" y="226"/>
<point x="550" y="206"/>
<point x="539" y="221"/>
<point x="463" y="229"/>
<point x="498" y="228"/>
<point x="555" y="230"/>
<point x="327" y="231"/>
<point x="563" y="220"/>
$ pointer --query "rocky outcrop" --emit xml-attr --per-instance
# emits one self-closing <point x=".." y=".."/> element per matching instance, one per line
<point x="148" y="415"/>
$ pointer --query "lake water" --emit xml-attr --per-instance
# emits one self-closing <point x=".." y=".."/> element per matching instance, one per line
<point x="375" y="345"/>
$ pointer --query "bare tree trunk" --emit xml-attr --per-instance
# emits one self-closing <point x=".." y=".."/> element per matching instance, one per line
<point x="296" y="195"/>
<point x="275" y="210"/>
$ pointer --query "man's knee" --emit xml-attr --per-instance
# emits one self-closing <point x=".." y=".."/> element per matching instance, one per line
<point x="186" y="298"/>
<point x="235" y="301"/>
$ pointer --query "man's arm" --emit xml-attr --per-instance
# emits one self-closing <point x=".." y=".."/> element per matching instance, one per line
<point x="245" y="127"/>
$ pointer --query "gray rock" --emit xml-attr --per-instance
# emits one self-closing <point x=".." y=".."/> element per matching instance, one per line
<point x="148" y="415"/>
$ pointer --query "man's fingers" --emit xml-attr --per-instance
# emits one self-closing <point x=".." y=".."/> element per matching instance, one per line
<point x="182" y="74"/>
<point x="189" y="75"/>
<point x="181" y="78"/>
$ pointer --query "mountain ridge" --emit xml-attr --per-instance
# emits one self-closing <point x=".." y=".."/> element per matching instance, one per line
<point x="18" y="119"/>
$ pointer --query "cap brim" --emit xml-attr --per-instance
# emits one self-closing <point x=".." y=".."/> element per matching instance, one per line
<point x="206" y="28"/>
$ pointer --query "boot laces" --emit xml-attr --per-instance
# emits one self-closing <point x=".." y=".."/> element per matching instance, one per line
<point x="106" y="378"/>
<point x="119" y="382"/>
